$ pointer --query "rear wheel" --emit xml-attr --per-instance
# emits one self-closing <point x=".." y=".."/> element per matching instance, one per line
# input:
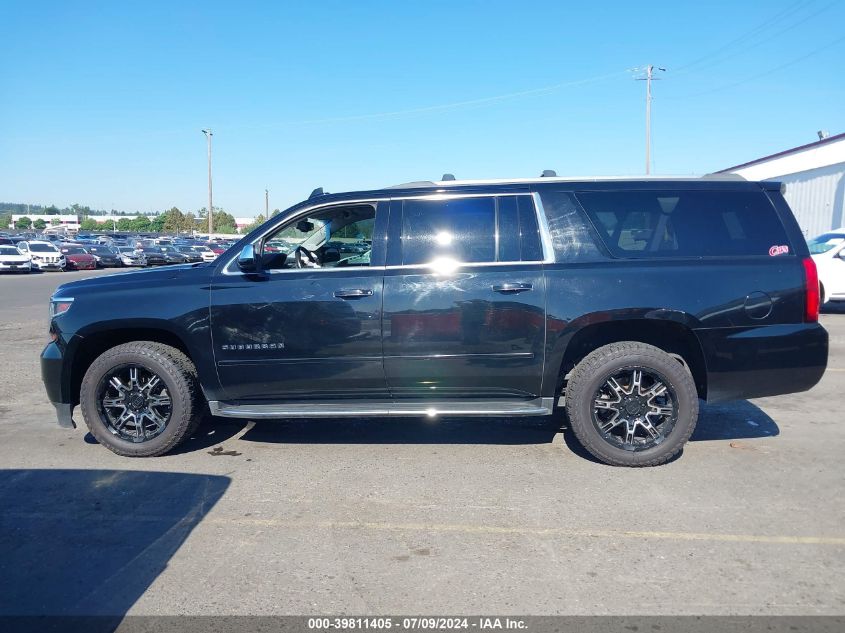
<point x="631" y="404"/>
<point x="140" y="399"/>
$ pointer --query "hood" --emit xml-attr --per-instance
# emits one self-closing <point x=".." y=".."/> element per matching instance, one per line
<point x="145" y="277"/>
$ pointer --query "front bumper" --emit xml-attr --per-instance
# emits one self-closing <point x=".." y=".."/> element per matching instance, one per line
<point x="48" y="265"/>
<point x="53" y="376"/>
<point x="22" y="267"/>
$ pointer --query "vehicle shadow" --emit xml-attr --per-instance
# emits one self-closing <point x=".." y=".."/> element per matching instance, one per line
<point x="402" y="430"/>
<point x="728" y="421"/>
<point x="83" y="543"/>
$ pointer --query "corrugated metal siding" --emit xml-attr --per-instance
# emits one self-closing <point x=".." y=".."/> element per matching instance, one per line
<point x="817" y="197"/>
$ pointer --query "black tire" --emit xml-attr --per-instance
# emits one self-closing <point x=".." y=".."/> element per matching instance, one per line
<point x="594" y="373"/>
<point x="180" y="380"/>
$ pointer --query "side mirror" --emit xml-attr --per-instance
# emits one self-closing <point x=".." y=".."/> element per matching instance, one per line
<point x="248" y="262"/>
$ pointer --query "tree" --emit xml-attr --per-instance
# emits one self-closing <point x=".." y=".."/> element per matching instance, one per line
<point x="124" y="224"/>
<point x="141" y="224"/>
<point x="52" y="210"/>
<point x="173" y="220"/>
<point x="157" y="224"/>
<point x="55" y="222"/>
<point x="39" y="224"/>
<point x="223" y="222"/>
<point x="259" y="220"/>
<point x="23" y="223"/>
<point x="275" y="213"/>
<point x="89" y="224"/>
<point x="5" y="220"/>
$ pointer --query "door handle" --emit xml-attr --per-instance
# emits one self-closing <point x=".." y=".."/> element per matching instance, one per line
<point x="512" y="288"/>
<point x="354" y="293"/>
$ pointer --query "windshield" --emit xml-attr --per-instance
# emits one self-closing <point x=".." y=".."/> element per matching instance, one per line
<point x="74" y="250"/>
<point x="43" y="248"/>
<point x="825" y="242"/>
<point x="8" y="250"/>
<point x="151" y="249"/>
<point x="101" y="250"/>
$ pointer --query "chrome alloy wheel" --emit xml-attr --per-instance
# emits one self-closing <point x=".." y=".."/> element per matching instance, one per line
<point x="134" y="403"/>
<point x="635" y="409"/>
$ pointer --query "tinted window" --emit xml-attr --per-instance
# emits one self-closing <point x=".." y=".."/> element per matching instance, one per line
<point x="462" y="229"/>
<point x="519" y="234"/>
<point x="685" y="223"/>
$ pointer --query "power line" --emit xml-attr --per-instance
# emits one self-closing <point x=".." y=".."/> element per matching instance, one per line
<point x="731" y="55"/>
<point x="792" y="62"/>
<point x="745" y="36"/>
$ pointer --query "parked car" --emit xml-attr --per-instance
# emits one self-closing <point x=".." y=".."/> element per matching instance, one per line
<point x="12" y="260"/>
<point x="190" y="254"/>
<point x="42" y="255"/>
<point x="624" y="301"/>
<point x="130" y="257"/>
<point x="78" y="258"/>
<point x="172" y="255"/>
<point x="106" y="256"/>
<point x="205" y="253"/>
<point x="828" y="251"/>
<point x="153" y="255"/>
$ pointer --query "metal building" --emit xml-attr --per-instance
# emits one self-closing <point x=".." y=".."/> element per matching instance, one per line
<point x="814" y="175"/>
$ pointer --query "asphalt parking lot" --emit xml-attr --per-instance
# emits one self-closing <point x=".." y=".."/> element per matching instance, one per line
<point x="456" y="516"/>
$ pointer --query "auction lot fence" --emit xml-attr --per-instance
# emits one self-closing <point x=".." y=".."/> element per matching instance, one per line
<point x="528" y="624"/>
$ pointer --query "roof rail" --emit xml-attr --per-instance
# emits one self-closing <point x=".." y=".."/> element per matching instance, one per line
<point x="723" y="176"/>
<point x="412" y="185"/>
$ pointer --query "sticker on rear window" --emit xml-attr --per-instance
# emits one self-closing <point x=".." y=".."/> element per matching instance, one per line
<point x="779" y="249"/>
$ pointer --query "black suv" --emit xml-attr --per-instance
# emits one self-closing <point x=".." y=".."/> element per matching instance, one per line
<point x="624" y="301"/>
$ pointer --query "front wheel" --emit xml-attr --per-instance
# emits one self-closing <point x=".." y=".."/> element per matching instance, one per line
<point x="140" y="399"/>
<point x="631" y="404"/>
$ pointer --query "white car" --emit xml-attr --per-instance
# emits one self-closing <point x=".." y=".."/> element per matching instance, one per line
<point x="12" y="260"/>
<point x="43" y="255"/>
<point x="828" y="251"/>
<point x="208" y="255"/>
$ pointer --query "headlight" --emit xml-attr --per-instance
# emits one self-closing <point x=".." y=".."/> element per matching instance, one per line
<point x="60" y="305"/>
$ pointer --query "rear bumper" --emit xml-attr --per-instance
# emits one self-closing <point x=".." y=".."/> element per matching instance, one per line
<point x="763" y="361"/>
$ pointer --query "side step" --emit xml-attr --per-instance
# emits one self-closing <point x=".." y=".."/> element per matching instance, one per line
<point x="538" y="406"/>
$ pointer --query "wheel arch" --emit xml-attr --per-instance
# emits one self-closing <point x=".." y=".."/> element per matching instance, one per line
<point x="675" y="337"/>
<point x="94" y="342"/>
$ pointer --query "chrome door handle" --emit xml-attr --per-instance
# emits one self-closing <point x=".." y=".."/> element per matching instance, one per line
<point x="354" y="293"/>
<point x="511" y="288"/>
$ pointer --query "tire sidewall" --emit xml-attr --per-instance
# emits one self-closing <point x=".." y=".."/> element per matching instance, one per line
<point x="679" y="382"/>
<point x="164" y="368"/>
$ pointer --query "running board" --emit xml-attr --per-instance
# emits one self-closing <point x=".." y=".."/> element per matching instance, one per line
<point x="538" y="406"/>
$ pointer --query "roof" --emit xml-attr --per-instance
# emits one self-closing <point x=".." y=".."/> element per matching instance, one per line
<point x="724" y="177"/>
<point x="786" y="152"/>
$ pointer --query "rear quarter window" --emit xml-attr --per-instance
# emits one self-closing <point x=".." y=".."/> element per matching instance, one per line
<point x="672" y="223"/>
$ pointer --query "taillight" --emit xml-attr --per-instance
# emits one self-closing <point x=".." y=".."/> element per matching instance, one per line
<point x="811" y="291"/>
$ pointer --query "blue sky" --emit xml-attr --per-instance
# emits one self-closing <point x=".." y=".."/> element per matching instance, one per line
<point x="102" y="103"/>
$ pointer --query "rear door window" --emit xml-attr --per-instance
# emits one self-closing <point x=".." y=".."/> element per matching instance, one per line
<point x="645" y="224"/>
<point x="470" y="230"/>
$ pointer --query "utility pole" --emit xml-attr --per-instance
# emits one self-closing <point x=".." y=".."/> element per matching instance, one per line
<point x="208" y="136"/>
<point x="649" y="77"/>
<point x="266" y="204"/>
